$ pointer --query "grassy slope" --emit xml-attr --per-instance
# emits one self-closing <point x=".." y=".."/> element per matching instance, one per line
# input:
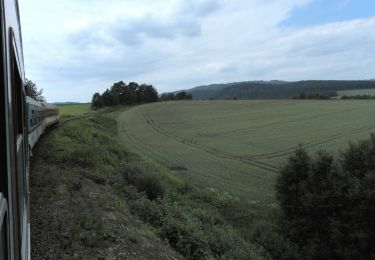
<point x="238" y="146"/>
<point x="83" y="208"/>
<point x="76" y="213"/>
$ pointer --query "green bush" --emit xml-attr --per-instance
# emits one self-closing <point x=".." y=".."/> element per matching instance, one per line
<point x="149" y="183"/>
<point x="149" y="211"/>
<point x="185" y="233"/>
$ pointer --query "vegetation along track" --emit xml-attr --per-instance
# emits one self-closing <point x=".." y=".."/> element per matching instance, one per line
<point x="67" y="120"/>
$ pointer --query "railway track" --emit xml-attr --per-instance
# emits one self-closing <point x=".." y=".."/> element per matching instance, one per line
<point x="65" y="121"/>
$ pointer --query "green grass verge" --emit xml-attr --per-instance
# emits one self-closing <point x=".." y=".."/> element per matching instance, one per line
<point x="74" y="109"/>
<point x="76" y="211"/>
<point x="198" y="223"/>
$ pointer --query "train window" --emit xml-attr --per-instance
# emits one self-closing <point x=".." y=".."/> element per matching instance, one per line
<point x="19" y="154"/>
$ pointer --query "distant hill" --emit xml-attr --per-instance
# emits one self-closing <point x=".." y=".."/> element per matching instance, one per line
<point x="276" y="89"/>
<point x="65" y="103"/>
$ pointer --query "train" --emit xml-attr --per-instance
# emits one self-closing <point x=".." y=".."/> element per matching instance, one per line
<point x="40" y="116"/>
<point x="22" y="120"/>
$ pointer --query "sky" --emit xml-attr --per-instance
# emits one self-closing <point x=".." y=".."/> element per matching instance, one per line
<point x="74" y="48"/>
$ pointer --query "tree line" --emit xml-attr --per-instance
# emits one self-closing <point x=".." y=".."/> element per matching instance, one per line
<point x="277" y="89"/>
<point x="183" y="95"/>
<point x="358" y="97"/>
<point x="327" y="206"/>
<point x="125" y="94"/>
<point x="133" y="93"/>
<point x="315" y="95"/>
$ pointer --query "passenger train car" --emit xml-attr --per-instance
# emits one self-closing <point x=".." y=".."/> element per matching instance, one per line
<point x="41" y="115"/>
<point x="14" y="200"/>
<point x="21" y="124"/>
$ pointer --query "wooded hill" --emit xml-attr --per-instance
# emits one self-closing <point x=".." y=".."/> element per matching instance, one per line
<point x="277" y="89"/>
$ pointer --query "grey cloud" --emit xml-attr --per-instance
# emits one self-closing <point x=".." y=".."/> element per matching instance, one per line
<point x="185" y="22"/>
<point x="200" y="7"/>
<point x="134" y="32"/>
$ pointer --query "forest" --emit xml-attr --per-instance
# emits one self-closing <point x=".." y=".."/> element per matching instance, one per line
<point x="277" y="89"/>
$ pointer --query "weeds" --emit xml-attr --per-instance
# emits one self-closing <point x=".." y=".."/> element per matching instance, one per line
<point x="199" y="224"/>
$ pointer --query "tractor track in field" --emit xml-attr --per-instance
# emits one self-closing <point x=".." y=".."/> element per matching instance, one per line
<point x="310" y="144"/>
<point x="145" y="149"/>
<point x="284" y="122"/>
<point x="209" y="150"/>
<point x="252" y="160"/>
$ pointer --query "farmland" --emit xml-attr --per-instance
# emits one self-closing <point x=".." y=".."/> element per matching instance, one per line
<point x="239" y="146"/>
<point x="74" y="109"/>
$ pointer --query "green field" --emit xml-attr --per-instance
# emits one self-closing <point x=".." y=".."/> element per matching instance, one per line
<point x="239" y="146"/>
<point x="74" y="109"/>
<point x="356" y="92"/>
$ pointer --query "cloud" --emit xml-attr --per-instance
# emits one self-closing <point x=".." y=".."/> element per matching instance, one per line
<point x="84" y="46"/>
<point x="182" y="21"/>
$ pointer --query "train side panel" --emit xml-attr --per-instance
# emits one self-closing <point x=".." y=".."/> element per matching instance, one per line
<point x="35" y="121"/>
<point x="51" y="114"/>
<point x="14" y="200"/>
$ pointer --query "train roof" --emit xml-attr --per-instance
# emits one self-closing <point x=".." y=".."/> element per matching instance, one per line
<point x="48" y="105"/>
<point x="41" y="104"/>
<point x="33" y="101"/>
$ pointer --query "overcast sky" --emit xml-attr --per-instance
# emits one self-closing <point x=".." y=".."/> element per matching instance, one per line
<point x="73" y="48"/>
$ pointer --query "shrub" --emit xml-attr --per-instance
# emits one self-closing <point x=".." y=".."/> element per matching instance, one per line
<point x="184" y="232"/>
<point x="149" y="211"/>
<point x="151" y="184"/>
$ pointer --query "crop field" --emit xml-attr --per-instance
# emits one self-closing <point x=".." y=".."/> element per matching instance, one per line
<point x="74" y="109"/>
<point x="239" y="146"/>
<point x="356" y="92"/>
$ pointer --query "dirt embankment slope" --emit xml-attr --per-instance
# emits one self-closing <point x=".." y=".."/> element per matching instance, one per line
<point x="75" y="211"/>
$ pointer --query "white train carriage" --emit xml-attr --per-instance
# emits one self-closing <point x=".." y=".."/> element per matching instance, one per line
<point x="40" y="116"/>
<point x="50" y="114"/>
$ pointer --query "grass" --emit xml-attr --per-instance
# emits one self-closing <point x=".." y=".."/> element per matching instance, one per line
<point x="74" y="109"/>
<point x="356" y="92"/>
<point x="90" y="190"/>
<point x="76" y="212"/>
<point x="238" y="147"/>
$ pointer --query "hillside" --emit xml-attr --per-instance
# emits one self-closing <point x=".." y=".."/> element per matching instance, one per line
<point x="276" y="89"/>
<point x="78" y="207"/>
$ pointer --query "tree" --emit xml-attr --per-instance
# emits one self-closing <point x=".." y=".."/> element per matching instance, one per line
<point x="33" y="92"/>
<point x="167" y="97"/>
<point x="328" y="206"/>
<point x="97" y="101"/>
<point x="150" y="94"/>
<point x="120" y="93"/>
<point x="129" y="96"/>
<point x="109" y="98"/>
